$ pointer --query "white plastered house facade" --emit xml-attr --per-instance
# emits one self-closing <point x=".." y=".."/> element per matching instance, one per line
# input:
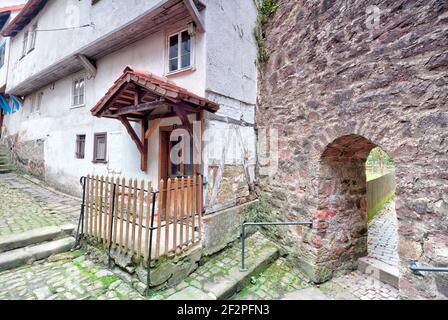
<point x="66" y="56"/>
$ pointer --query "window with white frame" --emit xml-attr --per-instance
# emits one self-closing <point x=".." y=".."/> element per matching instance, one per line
<point x="33" y="35"/>
<point x="78" y="91"/>
<point x="2" y="54"/>
<point x="179" y="51"/>
<point x="24" y="43"/>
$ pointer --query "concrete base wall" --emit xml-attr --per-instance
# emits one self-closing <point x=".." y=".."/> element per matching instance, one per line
<point x="223" y="227"/>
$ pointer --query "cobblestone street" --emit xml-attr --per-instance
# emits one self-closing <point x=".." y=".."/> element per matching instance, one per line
<point x="68" y="276"/>
<point x="25" y="205"/>
<point x="382" y="240"/>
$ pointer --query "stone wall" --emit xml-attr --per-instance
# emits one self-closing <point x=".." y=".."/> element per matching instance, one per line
<point x="27" y="155"/>
<point x="332" y="75"/>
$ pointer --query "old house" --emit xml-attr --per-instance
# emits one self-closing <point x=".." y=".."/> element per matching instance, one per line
<point x="103" y="85"/>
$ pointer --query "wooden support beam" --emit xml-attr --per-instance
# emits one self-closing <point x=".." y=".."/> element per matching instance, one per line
<point x="144" y="157"/>
<point x="87" y="64"/>
<point x="152" y="128"/>
<point x="134" y="136"/>
<point x="143" y="107"/>
<point x="182" y="114"/>
<point x="193" y="10"/>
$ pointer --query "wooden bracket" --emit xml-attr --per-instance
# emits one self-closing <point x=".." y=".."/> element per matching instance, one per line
<point x="193" y="10"/>
<point x="87" y="64"/>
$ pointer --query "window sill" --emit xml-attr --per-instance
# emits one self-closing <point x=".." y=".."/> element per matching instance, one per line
<point x="180" y="71"/>
<point x="99" y="162"/>
<point x="77" y="107"/>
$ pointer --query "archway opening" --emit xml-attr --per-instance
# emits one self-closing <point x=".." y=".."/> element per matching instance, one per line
<point x="350" y="198"/>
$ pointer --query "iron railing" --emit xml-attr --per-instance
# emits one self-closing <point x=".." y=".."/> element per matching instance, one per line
<point x="417" y="270"/>
<point x="243" y="233"/>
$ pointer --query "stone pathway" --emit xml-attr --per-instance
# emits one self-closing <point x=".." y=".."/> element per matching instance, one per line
<point x="382" y="238"/>
<point x="68" y="276"/>
<point x="358" y="286"/>
<point x="25" y="206"/>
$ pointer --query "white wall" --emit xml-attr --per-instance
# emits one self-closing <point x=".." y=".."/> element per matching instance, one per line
<point x="107" y="15"/>
<point x="58" y="123"/>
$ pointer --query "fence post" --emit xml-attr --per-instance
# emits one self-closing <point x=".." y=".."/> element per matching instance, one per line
<point x="81" y="216"/>
<point x="112" y="214"/>
<point x="148" y="275"/>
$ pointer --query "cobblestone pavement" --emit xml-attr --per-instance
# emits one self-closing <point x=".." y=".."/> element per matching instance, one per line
<point x="25" y="206"/>
<point x="68" y="276"/>
<point x="382" y="238"/>
<point x="274" y="283"/>
<point x="358" y="286"/>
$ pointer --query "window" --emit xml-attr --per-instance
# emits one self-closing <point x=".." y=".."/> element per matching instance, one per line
<point x="179" y="51"/>
<point x="2" y="54"/>
<point x="80" y="146"/>
<point x="33" y="35"/>
<point x="36" y="102"/>
<point x="78" y="92"/>
<point x="24" y="44"/>
<point x="100" y="147"/>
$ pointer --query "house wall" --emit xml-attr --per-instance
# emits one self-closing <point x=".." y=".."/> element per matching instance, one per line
<point x="56" y="45"/>
<point x="57" y="123"/>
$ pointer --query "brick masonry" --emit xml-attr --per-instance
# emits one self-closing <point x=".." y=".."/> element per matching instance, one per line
<point x="334" y="89"/>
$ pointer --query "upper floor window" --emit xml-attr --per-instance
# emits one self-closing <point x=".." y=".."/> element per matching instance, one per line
<point x="2" y="54"/>
<point x="179" y="49"/>
<point x="78" y="92"/>
<point x="33" y="35"/>
<point x="36" y="102"/>
<point x="24" y="44"/>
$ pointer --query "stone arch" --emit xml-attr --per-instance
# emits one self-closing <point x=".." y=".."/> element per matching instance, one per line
<point x="340" y="233"/>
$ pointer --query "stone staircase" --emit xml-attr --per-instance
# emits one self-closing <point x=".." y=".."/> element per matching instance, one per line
<point x="221" y="277"/>
<point x="5" y="166"/>
<point x="37" y="244"/>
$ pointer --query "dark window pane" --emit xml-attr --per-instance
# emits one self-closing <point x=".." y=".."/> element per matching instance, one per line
<point x="174" y="47"/>
<point x="173" y="64"/>
<point x="186" y="46"/>
<point x="185" y="61"/>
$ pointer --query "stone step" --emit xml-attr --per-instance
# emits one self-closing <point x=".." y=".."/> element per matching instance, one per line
<point x="18" y="257"/>
<point x="224" y="285"/>
<point x="35" y="236"/>
<point x="379" y="270"/>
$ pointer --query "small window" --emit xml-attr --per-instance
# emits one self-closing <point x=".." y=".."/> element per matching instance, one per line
<point x="179" y="51"/>
<point x="78" y="92"/>
<point x="33" y="35"/>
<point x="39" y="101"/>
<point x="100" y="147"/>
<point x="2" y="54"/>
<point x="24" y="44"/>
<point x="80" y="146"/>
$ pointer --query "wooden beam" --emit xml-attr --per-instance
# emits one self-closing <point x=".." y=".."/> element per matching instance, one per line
<point x="148" y="106"/>
<point x="182" y="114"/>
<point x="87" y="64"/>
<point x="193" y="10"/>
<point x="133" y="135"/>
<point x="152" y="128"/>
<point x="144" y="157"/>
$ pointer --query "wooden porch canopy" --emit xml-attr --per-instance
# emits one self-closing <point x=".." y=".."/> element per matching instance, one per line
<point x="140" y="97"/>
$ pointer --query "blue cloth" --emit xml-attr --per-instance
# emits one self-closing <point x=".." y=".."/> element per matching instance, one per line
<point x="16" y="103"/>
<point x="5" y="105"/>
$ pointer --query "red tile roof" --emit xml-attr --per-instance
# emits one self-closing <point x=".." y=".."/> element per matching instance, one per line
<point x="28" y="12"/>
<point x="156" y="85"/>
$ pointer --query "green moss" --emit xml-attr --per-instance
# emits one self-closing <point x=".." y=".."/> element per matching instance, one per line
<point x="108" y="280"/>
<point x="266" y="9"/>
<point x="372" y="213"/>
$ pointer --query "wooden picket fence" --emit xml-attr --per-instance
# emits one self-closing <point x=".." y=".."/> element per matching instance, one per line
<point x="126" y="216"/>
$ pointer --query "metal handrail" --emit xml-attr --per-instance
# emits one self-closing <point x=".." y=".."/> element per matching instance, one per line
<point x="416" y="269"/>
<point x="243" y="233"/>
